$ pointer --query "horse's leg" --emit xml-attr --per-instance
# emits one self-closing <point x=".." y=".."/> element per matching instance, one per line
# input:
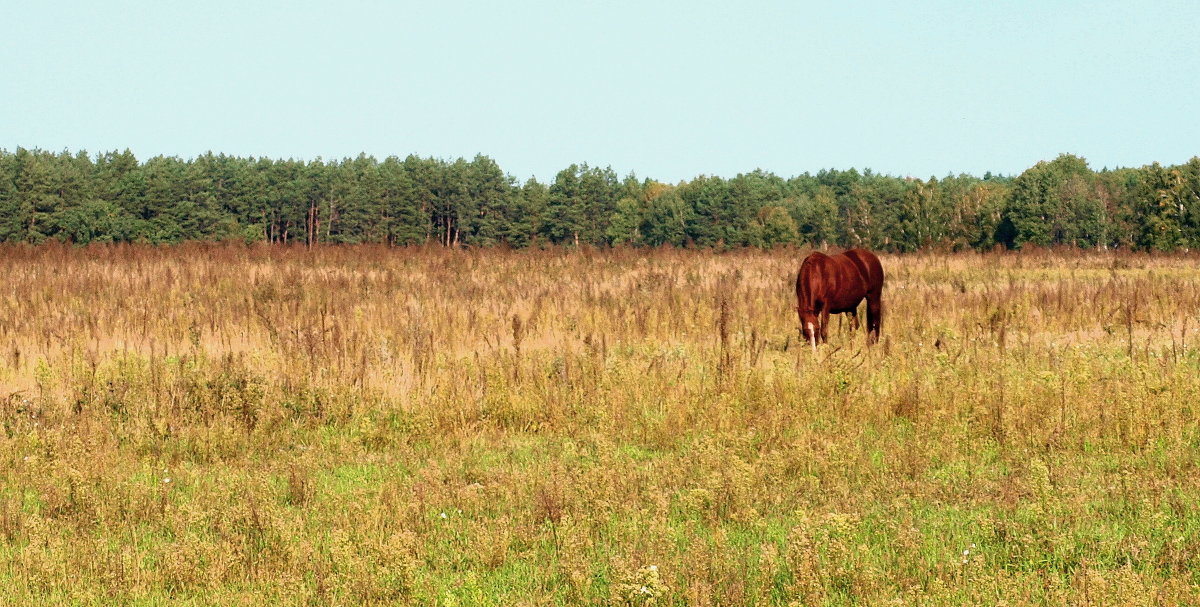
<point x="874" y="316"/>
<point x="853" y="320"/>
<point x="825" y="325"/>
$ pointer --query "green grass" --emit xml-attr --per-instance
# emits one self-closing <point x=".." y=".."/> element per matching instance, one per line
<point x="1036" y="411"/>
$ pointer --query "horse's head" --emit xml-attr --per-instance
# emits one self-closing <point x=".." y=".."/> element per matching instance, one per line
<point x="809" y="324"/>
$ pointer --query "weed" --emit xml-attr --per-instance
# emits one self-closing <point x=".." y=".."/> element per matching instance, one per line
<point x="234" y="425"/>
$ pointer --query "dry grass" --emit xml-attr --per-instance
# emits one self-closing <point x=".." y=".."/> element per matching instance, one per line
<point x="225" y="425"/>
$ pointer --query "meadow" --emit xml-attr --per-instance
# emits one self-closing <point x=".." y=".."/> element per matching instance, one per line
<point x="222" y="425"/>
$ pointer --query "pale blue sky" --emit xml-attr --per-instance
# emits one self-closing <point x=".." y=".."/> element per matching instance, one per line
<point x="668" y="90"/>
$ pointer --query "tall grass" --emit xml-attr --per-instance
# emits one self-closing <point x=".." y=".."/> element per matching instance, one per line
<point x="226" y="425"/>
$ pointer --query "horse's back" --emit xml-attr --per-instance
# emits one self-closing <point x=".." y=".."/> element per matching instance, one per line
<point x="868" y="267"/>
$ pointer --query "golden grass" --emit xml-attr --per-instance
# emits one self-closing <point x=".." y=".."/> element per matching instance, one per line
<point x="226" y="425"/>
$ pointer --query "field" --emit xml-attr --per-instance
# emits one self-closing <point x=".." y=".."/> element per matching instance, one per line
<point x="214" y="425"/>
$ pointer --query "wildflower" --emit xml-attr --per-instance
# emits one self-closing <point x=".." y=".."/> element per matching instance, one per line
<point x="443" y="515"/>
<point x="653" y="567"/>
<point x="166" y="480"/>
<point x="644" y="590"/>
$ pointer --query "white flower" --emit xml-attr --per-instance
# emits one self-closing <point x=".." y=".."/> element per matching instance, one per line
<point x="167" y="480"/>
<point x="653" y="567"/>
<point x="644" y="590"/>
<point x="443" y="515"/>
<point x="966" y="552"/>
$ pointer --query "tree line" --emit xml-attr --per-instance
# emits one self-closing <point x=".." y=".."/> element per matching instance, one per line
<point x="113" y="197"/>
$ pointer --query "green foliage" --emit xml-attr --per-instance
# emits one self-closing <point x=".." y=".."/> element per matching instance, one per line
<point x="626" y="224"/>
<point x="401" y="215"/>
<point x="772" y="227"/>
<point x="1054" y="203"/>
<point x="95" y="221"/>
<point x="667" y="220"/>
<point x="1166" y="199"/>
<point x="115" y="198"/>
<point x="581" y="204"/>
<point x="524" y="216"/>
<point x="713" y="222"/>
<point x="490" y="195"/>
<point x="817" y="218"/>
<point x="564" y="210"/>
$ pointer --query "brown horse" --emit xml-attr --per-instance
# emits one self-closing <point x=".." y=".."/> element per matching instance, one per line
<point x="835" y="284"/>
